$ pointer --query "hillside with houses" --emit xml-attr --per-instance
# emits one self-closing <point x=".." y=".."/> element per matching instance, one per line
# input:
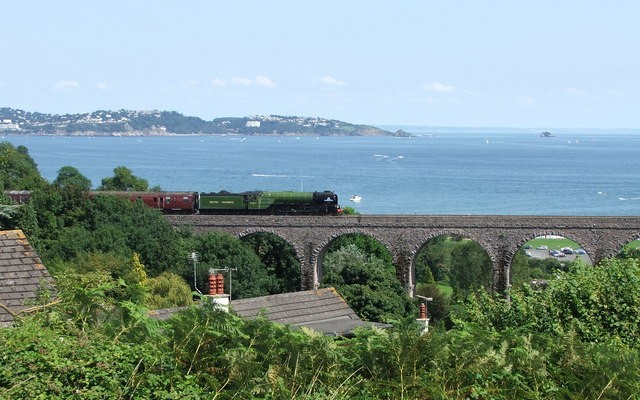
<point x="155" y="123"/>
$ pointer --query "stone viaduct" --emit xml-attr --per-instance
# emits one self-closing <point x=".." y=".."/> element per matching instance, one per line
<point x="404" y="235"/>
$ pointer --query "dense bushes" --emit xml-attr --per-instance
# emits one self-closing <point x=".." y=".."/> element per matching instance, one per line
<point x="597" y="303"/>
<point x="204" y="353"/>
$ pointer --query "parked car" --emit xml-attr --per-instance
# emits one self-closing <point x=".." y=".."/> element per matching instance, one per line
<point x="556" y="253"/>
<point x="580" y="252"/>
<point x="542" y="247"/>
<point x="567" y="250"/>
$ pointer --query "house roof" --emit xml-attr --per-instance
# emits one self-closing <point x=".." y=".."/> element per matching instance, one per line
<point x="166" y="313"/>
<point x="21" y="274"/>
<point x="323" y="310"/>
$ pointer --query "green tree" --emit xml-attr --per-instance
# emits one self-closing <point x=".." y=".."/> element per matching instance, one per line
<point x="367" y="244"/>
<point x="168" y="290"/>
<point x="435" y="256"/>
<point x="121" y="226"/>
<point x="69" y="225"/>
<point x="438" y="307"/>
<point x="218" y="251"/>
<point x="47" y="218"/>
<point x="18" y="171"/>
<point x="471" y="268"/>
<point x="124" y="180"/>
<point x="70" y="177"/>
<point x="369" y="286"/>
<point x="598" y="303"/>
<point x="279" y="258"/>
<point x="8" y="216"/>
<point x="525" y="270"/>
<point x="127" y="275"/>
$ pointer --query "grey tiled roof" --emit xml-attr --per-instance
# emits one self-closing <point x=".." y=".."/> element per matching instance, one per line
<point x="165" y="313"/>
<point x="21" y="274"/>
<point x="323" y="310"/>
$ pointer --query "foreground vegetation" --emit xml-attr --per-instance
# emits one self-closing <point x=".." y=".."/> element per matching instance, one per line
<point x="576" y="338"/>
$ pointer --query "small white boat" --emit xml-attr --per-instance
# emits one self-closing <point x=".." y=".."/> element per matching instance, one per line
<point x="355" y="198"/>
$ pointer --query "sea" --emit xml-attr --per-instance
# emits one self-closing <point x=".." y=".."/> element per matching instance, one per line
<point x="437" y="171"/>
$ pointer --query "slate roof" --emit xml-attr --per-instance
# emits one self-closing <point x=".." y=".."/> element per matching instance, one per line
<point x="165" y="313"/>
<point x="323" y="310"/>
<point x="21" y="274"/>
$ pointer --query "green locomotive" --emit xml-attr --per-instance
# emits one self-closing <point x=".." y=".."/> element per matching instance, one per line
<point x="270" y="203"/>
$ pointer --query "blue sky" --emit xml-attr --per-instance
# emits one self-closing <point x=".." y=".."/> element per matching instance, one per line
<point x="529" y="64"/>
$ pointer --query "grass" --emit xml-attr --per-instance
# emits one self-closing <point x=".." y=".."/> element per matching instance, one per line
<point x="633" y="245"/>
<point x="558" y="243"/>
<point x="446" y="289"/>
<point x="443" y="287"/>
<point x="553" y="243"/>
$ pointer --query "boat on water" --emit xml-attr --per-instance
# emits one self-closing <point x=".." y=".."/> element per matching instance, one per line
<point x="355" y="198"/>
<point x="546" y="134"/>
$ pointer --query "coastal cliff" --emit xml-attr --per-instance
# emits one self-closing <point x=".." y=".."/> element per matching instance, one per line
<point x="162" y="123"/>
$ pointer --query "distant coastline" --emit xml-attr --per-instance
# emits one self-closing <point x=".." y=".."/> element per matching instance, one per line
<point x="117" y="134"/>
<point x="167" y="123"/>
<point x="169" y="134"/>
<point x="171" y="123"/>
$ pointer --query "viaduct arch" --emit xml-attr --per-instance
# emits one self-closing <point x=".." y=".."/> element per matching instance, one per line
<point x="404" y="235"/>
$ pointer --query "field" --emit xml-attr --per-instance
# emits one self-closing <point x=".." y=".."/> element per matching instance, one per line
<point x="559" y="242"/>
<point x="552" y="243"/>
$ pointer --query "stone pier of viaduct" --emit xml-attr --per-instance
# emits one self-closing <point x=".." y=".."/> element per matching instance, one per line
<point x="404" y="235"/>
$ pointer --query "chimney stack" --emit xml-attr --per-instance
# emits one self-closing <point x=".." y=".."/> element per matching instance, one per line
<point x="216" y="291"/>
<point x="216" y="284"/>
<point x="423" y="317"/>
<point x="423" y="311"/>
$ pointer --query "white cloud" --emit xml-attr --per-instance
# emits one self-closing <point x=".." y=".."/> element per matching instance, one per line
<point x="218" y="82"/>
<point x="576" y="92"/>
<point x="101" y="85"/>
<point x="331" y="81"/>
<point x="440" y="87"/>
<point x="264" y="81"/>
<point x="65" y="85"/>
<point x="242" y="81"/>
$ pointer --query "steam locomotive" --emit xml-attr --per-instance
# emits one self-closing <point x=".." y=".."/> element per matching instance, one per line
<point x="250" y="203"/>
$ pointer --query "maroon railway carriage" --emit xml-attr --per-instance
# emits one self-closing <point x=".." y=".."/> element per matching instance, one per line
<point x="169" y="202"/>
<point x="174" y="202"/>
<point x="18" y="196"/>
